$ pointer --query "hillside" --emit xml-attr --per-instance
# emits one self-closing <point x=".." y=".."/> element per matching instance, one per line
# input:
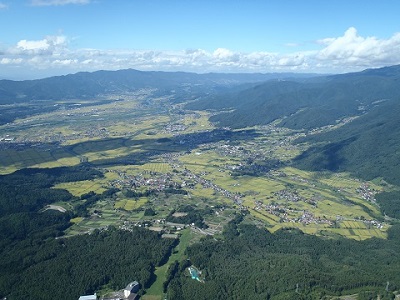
<point x="305" y="103"/>
<point x="369" y="147"/>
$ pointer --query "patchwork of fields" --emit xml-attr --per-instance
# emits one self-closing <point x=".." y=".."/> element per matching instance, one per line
<point x="139" y="152"/>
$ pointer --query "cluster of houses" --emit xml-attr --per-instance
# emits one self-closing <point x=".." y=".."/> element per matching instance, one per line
<point x="286" y="214"/>
<point x="155" y="181"/>
<point x="366" y="192"/>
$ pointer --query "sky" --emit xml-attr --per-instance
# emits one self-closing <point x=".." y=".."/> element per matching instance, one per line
<point x="41" y="38"/>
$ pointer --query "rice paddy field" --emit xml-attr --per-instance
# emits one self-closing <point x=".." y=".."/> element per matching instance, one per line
<point x="79" y="188"/>
<point x="125" y="138"/>
<point x="336" y="194"/>
<point x="129" y="205"/>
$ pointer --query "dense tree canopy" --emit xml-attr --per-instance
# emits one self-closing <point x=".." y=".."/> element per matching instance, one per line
<point x="251" y="263"/>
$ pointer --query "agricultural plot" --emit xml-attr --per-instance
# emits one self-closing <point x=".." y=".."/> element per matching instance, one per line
<point x="79" y="188"/>
<point x="197" y="121"/>
<point x="12" y="160"/>
<point x="157" y="167"/>
<point x="129" y="204"/>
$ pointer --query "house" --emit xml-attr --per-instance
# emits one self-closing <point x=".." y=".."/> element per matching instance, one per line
<point x="128" y="293"/>
<point x="88" y="297"/>
<point x="131" y="288"/>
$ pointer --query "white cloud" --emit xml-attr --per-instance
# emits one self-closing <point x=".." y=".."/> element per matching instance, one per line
<point x="353" y="50"/>
<point x="50" y="45"/>
<point x="65" y="62"/>
<point x="33" y="45"/>
<point x="292" y="60"/>
<point x="3" y="6"/>
<point x="57" y="2"/>
<point x="10" y="61"/>
<point x="350" y="52"/>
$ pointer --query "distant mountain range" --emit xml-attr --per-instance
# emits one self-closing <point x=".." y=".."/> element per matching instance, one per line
<point x="86" y="85"/>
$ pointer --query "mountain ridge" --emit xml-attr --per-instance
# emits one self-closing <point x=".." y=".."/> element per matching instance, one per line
<point x="330" y="98"/>
<point x="92" y="84"/>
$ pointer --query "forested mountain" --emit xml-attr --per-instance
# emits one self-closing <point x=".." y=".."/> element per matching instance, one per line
<point x="87" y="85"/>
<point x="252" y="263"/>
<point x="67" y="268"/>
<point x="368" y="146"/>
<point x="305" y="103"/>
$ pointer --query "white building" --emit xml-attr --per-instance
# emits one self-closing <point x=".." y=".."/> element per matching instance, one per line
<point x="131" y="288"/>
<point x="88" y="297"/>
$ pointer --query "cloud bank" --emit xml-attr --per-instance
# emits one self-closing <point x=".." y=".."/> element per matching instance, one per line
<point x="53" y="55"/>
<point x="3" y="6"/>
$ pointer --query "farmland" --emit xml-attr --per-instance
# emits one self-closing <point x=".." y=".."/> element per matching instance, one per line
<point x="161" y="157"/>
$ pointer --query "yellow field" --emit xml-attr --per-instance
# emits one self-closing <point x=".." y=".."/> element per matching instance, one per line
<point x="130" y="205"/>
<point x="76" y="220"/>
<point x="263" y="215"/>
<point x="79" y="188"/>
<point x="155" y="167"/>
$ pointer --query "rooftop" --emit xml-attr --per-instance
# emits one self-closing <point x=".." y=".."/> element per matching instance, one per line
<point x="88" y="297"/>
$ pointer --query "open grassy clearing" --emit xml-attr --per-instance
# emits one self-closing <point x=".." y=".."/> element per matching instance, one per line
<point x="197" y="123"/>
<point x="156" y="289"/>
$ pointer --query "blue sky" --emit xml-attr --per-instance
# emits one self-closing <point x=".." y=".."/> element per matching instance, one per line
<point x="51" y="37"/>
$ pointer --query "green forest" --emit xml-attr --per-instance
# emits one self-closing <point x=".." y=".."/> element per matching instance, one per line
<point x="36" y="265"/>
<point x="251" y="263"/>
<point x="70" y="267"/>
<point x="368" y="147"/>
